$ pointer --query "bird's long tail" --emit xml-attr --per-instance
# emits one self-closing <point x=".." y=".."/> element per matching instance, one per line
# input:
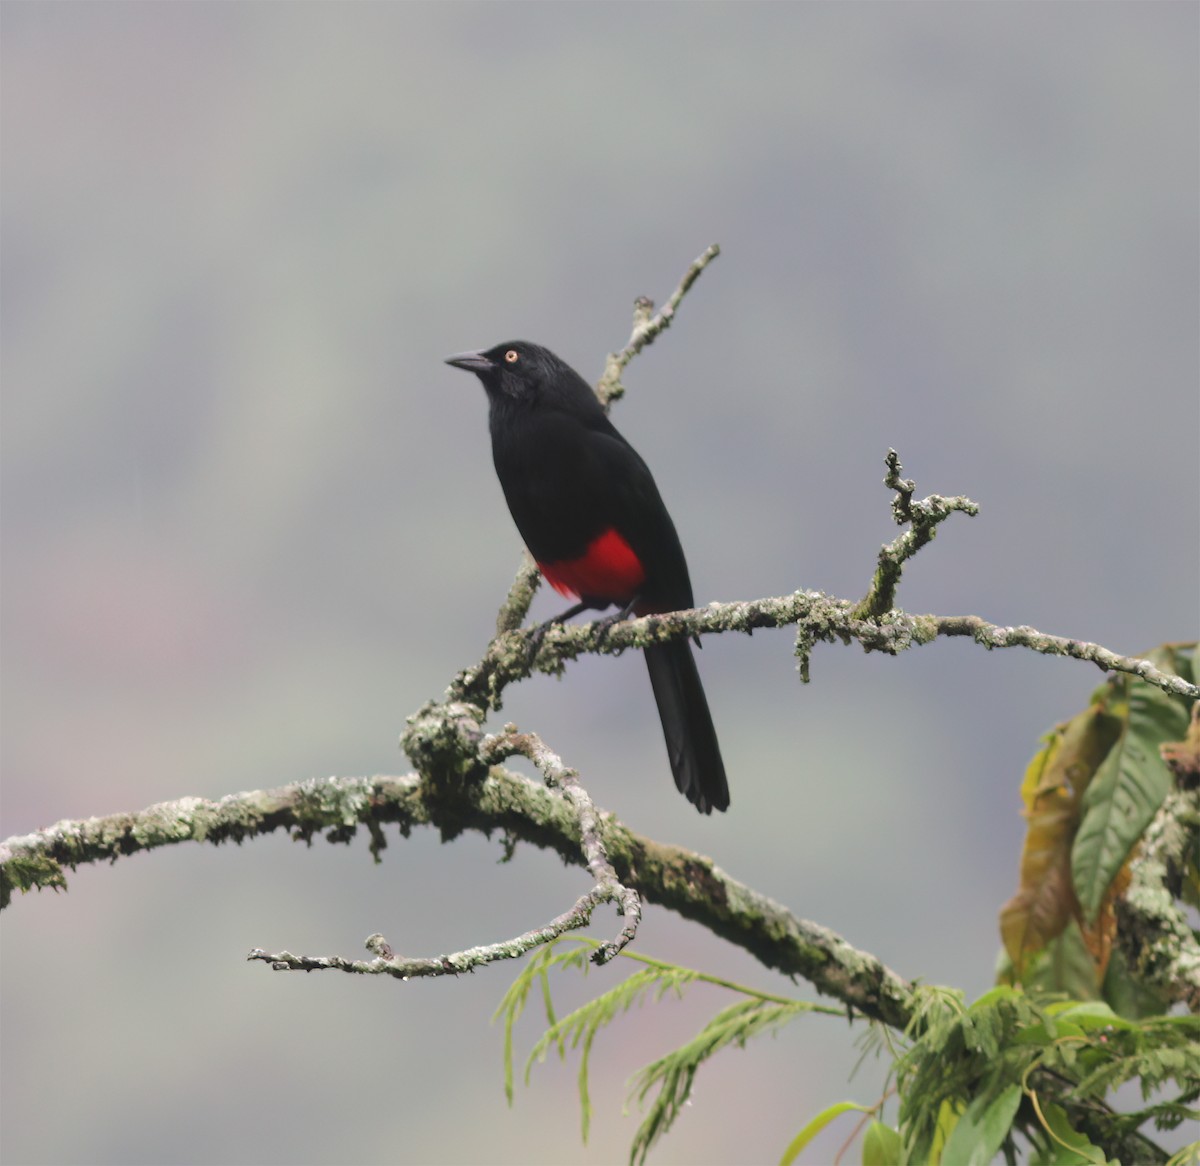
<point x="687" y="726"/>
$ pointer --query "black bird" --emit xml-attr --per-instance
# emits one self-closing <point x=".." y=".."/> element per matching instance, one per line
<point x="590" y="514"/>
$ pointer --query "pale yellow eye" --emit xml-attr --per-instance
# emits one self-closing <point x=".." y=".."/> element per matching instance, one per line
<point x="512" y="356"/>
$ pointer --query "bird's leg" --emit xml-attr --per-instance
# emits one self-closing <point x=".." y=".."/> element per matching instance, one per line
<point x="570" y="613"/>
<point x="604" y="626"/>
<point x="539" y="632"/>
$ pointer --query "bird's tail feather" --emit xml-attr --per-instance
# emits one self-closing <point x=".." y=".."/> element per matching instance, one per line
<point x="687" y="726"/>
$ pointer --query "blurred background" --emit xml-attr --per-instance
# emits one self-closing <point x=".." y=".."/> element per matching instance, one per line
<point x="250" y="520"/>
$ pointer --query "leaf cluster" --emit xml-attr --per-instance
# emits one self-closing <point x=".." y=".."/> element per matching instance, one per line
<point x="1089" y="793"/>
<point x="1029" y="1064"/>
<point x="663" y="1087"/>
<point x="1010" y="1064"/>
<point x="972" y="1080"/>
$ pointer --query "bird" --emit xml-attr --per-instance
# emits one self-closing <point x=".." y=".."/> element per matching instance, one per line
<point x="589" y="511"/>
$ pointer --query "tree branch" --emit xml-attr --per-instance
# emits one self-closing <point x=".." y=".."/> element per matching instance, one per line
<point x="388" y="963"/>
<point x="520" y="595"/>
<point x="923" y="518"/>
<point x="559" y="777"/>
<point x="646" y="326"/>
<point x="817" y="617"/>
<point x="675" y="878"/>
<point x="1159" y="944"/>
<point x="608" y="889"/>
<point x="671" y="876"/>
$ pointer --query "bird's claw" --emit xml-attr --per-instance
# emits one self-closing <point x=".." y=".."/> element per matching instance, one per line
<point x="536" y="636"/>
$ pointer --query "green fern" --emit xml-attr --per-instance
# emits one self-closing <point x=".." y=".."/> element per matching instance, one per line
<point x="970" y="1078"/>
<point x="673" y="1074"/>
<point x="670" y="1078"/>
<point x="512" y="1005"/>
<point x="969" y="1060"/>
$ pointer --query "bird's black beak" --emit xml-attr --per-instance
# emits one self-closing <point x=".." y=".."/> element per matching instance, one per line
<point x="471" y="361"/>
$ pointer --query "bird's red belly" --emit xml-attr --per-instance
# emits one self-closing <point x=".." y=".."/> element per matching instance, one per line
<point x="608" y="569"/>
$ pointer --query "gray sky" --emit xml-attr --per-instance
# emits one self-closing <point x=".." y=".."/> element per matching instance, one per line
<point x="250" y="520"/>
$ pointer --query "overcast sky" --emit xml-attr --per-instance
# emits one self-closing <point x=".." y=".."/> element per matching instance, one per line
<point x="250" y="520"/>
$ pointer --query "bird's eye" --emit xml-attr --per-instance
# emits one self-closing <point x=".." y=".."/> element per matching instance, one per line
<point x="512" y="356"/>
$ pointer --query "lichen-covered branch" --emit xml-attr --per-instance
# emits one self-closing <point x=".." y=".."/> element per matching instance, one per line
<point x="334" y="806"/>
<point x="993" y="636"/>
<point x="520" y="595"/>
<point x="647" y="324"/>
<point x="608" y="889"/>
<point x="565" y="780"/>
<point x="500" y="802"/>
<point x="388" y="963"/>
<point x="922" y="518"/>
<point x="1159" y="944"/>
<point x="522" y="811"/>
<point x="819" y="617"/>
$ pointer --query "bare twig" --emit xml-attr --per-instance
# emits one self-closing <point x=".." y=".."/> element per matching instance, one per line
<point x="388" y="963"/>
<point x="646" y="326"/>
<point x="991" y="635"/>
<point x="559" y="777"/>
<point x="521" y="591"/>
<point x="608" y="889"/>
<point x="922" y="518"/>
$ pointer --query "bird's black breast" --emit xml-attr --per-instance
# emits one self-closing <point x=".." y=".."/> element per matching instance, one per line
<point x="568" y="479"/>
<point x="554" y="483"/>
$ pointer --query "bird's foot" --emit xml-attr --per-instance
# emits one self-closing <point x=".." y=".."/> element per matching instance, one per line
<point x="606" y="625"/>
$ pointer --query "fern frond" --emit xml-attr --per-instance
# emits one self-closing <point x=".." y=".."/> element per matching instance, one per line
<point x="560" y="953"/>
<point x="673" y="1074"/>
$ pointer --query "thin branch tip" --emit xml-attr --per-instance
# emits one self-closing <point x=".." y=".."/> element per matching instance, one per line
<point x="647" y="325"/>
<point x="922" y="518"/>
<point x="564" y="784"/>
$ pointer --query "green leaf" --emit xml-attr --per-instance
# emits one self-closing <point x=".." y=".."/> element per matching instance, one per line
<point x="815" y="1126"/>
<point x="1127" y="994"/>
<point x="1089" y="1015"/>
<point x="1188" y="1156"/>
<point x="1066" y="967"/>
<point x="1177" y="658"/>
<point x="984" y="1125"/>
<point x="882" y="1146"/>
<point x="1126" y="792"/>
<point x="947" y="1119"/>
<point x="1070" y="1147"/>
<point x="993" y="996"/>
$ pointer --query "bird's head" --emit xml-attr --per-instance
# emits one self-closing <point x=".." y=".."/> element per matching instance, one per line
<point x="519" y="372"/>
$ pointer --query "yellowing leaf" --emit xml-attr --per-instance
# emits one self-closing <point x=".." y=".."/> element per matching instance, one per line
<point x="1099" y="935"/>
<point x="1054" y="782"/>
<point x="948" y="1114"/>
